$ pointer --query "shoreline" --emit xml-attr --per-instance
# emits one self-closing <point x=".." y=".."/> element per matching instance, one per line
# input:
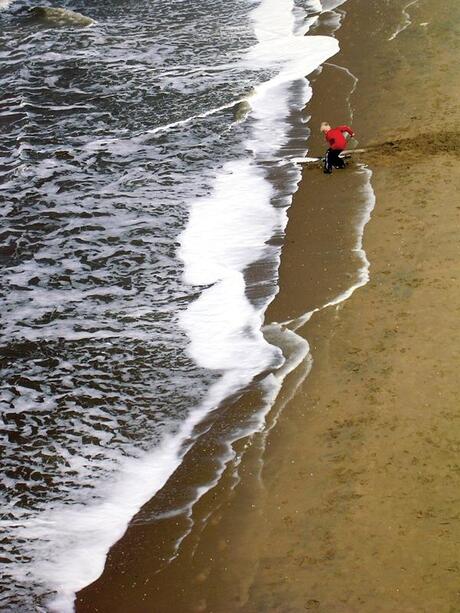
<point x="249" y="567"/>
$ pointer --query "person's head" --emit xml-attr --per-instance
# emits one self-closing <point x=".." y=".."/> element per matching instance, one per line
<point x="325" y="127"/>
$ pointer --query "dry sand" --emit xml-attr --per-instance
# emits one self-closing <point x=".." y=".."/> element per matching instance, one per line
<point x="351" y="502"/>
<point x="369" y="518"/>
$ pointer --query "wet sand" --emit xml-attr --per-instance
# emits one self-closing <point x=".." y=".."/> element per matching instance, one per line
<point x="349" y="500"/>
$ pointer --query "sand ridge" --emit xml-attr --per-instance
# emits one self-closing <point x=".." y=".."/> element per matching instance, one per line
<point x="413" y="149"/>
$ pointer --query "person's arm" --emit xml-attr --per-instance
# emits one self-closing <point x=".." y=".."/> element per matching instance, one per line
<point x="346" y="129"/>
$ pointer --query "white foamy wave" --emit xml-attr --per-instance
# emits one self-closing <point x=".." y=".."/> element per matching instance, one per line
<point x="224" y="338"/>
<point x="229" y="230"/>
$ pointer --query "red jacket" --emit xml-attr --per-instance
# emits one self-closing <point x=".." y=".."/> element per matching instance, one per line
<point x="336" y="139"/>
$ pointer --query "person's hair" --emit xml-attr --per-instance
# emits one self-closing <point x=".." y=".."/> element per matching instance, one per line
<point x="325" y="124"/>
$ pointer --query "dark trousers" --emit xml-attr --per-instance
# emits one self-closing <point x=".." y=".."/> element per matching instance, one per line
<point x="332" y="160"/>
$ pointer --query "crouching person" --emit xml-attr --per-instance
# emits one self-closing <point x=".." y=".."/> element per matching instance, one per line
<point x="337" y="143"/>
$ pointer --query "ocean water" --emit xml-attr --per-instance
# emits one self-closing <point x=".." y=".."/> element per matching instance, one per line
<point x="145" y="182"/>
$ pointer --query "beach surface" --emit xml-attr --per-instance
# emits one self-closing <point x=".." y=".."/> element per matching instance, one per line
<point x="348" y="501"/>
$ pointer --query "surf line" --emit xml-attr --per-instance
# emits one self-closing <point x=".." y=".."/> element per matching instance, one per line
<point x="363" y="273"/>
<point x="407" y="20"/>
<point x="183" y="122"/>
<point x="353" y="89"/>
<point x="297" y="356"/>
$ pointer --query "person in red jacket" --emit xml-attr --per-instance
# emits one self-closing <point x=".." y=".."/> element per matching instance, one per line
<point x="337" y="143"/>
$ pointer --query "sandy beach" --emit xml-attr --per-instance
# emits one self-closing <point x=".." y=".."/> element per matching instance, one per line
<point x="348" y="502"/>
